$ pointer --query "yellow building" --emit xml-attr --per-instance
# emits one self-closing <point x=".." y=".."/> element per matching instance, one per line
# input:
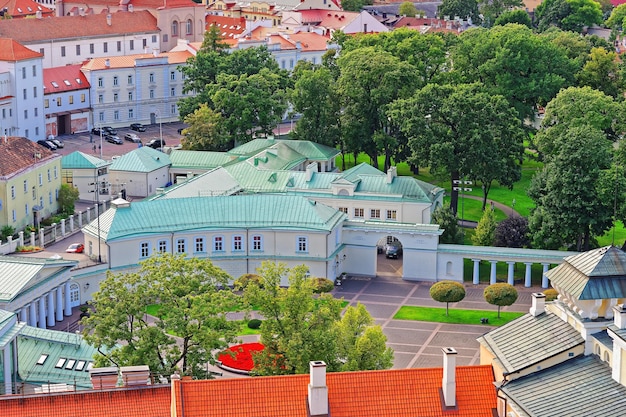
<point x="30" y="178"/>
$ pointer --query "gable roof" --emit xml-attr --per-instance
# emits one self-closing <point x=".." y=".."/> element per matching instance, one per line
<point x="18" y="154"/>
<point x="528" y="340"/>
<point x="581" y="386"/>
<point x="183" y="159"/>
<point x="64" y="78"/>
<point x="309" y="150"/>
<point x="229" y="27"/>
<point x="391" y="393"/>
<point x="13" y="51"/>
<point x="144" y="159"/>
<point x="80" y="160"/>
<point x="131" y="61"/>
<point x="22" y="8"/>
<point x="72" y="27"/>
<point x="592" y="275"/>
<point x="211" y="183"/>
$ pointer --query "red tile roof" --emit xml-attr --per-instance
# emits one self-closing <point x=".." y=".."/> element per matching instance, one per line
<point x="69" y="27"/>
<point x="395" y="393"/>
<point x="66" y="78"/>
<point x="22" y="8"/>
<point x="139" y="4"/>
<point x="18" y="153"/>
<point x="135" y="402"/>
<point x="230" y="27"/>
<point x="129" y="61"/>
<point x="12" y="51"/>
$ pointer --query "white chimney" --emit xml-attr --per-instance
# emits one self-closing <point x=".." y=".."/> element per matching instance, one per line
<point x="81" y="11"/>
<point x="107" y="63"/>
<point x="539" y="304"/>
<point x="318" y="391"/>
<point x="620" y="316"/>
<point x="392" y="172"/>
<point x="38" y="14"/>
<point x="310" y="169"/>
<point x="449" y="376"/>
<point x="131" y="8"/>
<point x="109" y="19"/>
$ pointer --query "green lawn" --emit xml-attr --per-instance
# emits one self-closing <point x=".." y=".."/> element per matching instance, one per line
<point x="456" y="316"/>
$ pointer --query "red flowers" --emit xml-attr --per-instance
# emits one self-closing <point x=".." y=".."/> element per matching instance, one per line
<point x="242" y="358"/>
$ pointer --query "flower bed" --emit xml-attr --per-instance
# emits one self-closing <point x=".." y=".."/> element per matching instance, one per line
<point x="241" y="362"/>
<point x="28" y="249"/>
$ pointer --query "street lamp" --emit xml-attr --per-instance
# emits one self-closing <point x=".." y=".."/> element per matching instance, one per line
<point x="461" y="185"/>
<point x="96" y="190"/>
<point x="158" y="113"/>
<point x="99" y="127"/>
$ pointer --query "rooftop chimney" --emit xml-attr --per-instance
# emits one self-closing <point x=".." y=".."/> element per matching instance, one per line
<point x="539" y="304"/>
<point x="318" y="391"/>
<point x="109" y="19"/>
<point x="81" y="11"/>
<point x="107" y="62"/>
<point x="310" y="169"/>
<point x="620" y="316"/>
<point x="392" y="172"/>
<point x="104" y="378"/>
<point x="449" y="376"/>
<point x="135" y="375"/>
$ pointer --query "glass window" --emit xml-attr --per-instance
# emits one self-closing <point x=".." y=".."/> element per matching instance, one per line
<point x="180" y="246"/>
<point x="174" y="28"/>
<point x="13" y="192"/>
<point x="237" y="243"/>
<point x="119" y="46"/>
<point x="162" y="246"/>
<point x="55" y="172"/>
<point x="131" y="114"/>
<point x="257" y="242"/>
<point x="23" y="72"/>
<point x="34" y="70"/>
<point x="100" y="82"/>
<point x="77" y="50"/>
<point x="100" y="98"/>
<point x="14" y="215"/>
<point x="25" y="93"/>
<point x="70" y="364"/>
<point x="151" y="93"/>
<point x="343" y="209"/>
<point x="91" y="48"/>
<point x="80" y="365"/>
<point x="189" y="27"/>
<point x="40" y="179"/>
<point x="199" y="244"/>
<point x="152" y="77"/>
<point x="115" y="96"/>
<point x="115" y="80"/>
<point x="63" y="51"/>
<point x="116" y="115"/>
<point x="82" y="98"/>
<point x="50" y="197"/>
<point x="49" y="176"/>
<point x="46" y="103"/>
<point x="25" y="186"/>
<point x="130" y="80"/>
<point x="358" y="212"/>
<point x="60" y="363"/>
<point x="302" y="244"/>
<point x="105" y="47"/>
<point x="42" y="359"/>
<point x="218" y="244"/>
<point x="71" y="98"/>
<point x="132" y="44"/>
<point x="130" y="96"/>
<point x="145" y="249"/>
<point x="173" y="75"/>
<point x="391" y="214"/>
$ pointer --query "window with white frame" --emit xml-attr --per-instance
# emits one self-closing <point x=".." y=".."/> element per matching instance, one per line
<point x="130" y="96"/>
<point x="162" y="245"/>
<point x="105" y="47"/>
<point x="343" y="209"/>
<point x="173" y="75"/>
<point x="116" y="115"/>
<point x="100" y="82"/>
<point x="189" y="27"/>
<point x="173" y="108"/>
<point x="115" y="97"/>
<point x="199" y="244"/>
<point x="145" y="249"/>
<point x="100" y="98"/>
<point x="13" y="192"/>
<point x="151" y="77"/>
<point x="375" y="213"/>
<point x="173" y="92"/>
<point x="55" y="172"/>
<point x="174" y="28"/>
<point x="14" y="215"/>
<point x="116" y="80"/>
<point x="358" y="212"/>
<point x="302" y="243"/>
<point x="40" y="179"/>
<point x="218" y="244"/>
<point x="257" y="242"/>
<point x="50" y="197"/>
<point x="101" y="116"/>
<point x="237" y="243"/>
<point x="392" y="214"/>
<point x="180" y="246"/>
<point x="151" y="93"/>
<point x="131" y="114"/>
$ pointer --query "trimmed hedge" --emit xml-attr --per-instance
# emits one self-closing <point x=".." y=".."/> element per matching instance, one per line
<point x="254" y="324"/>
<point x="322" y="285"/>
<point x="551" y="294"/>
<point x="243" y="281"/>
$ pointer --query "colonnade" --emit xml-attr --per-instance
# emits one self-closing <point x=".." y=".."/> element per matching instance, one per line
<point x="510" y="276"/>
<point x="45" y="311"/>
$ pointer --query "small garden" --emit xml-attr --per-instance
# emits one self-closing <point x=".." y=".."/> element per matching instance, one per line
<point x="239" y="358"/>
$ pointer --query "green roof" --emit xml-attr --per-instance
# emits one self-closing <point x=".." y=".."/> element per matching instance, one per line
<point x="144" y="159"/>
<point x="224" y="212"/>
<point x="182" y="159"/>
<point x="79" y="160"/>
<point x="307" y="149"/>
<point x="211" y="183"/>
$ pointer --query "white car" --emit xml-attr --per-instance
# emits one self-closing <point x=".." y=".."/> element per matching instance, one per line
<point x="132" y="137"/>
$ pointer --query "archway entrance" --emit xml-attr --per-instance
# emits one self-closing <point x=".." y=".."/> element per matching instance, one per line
<point x="390" y="256"/>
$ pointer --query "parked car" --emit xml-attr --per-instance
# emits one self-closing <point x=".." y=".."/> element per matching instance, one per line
<point x="156" y="143"/>
<point x="113" y="139"/>
<point x="138" y="127"/>
<point x="75" y="248"/>
<point x="58" y="143"/>
<point x="47" y="144"/>
<point x="96" y="131"/>
<point x="132" y="137"/>
<point x="393" y="250"/>
<point x="108" y="130"/>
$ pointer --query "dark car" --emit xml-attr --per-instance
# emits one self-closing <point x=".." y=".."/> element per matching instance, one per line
<point x="113" y="139"/>
<point x="393" y="250"/>
<point x="47" y="144"/>
<point x="108" y="130"/>
<point x="96" y="131"/>
<point x="156" y="143"/>
<point x="138" y="127"/>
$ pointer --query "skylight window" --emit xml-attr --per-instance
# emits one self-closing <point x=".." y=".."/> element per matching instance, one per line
<point x="80" y="365"/>
<point x="29" y="9"/>
<point x="19" y="9"/>
<point x="60" y="363"/>
<point x="79" y="81"/>
<point x="42" y="359"/>
<point x="90" y="366"/>
<point x="54" y="84"/>
<point x="70" y="364"/>
<point x="67" y="83"/>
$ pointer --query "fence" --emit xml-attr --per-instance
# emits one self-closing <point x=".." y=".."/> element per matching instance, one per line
<point x="55" y="232"/>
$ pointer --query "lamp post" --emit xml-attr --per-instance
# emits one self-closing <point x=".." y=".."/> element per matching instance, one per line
<point x="99" y="127"/>
<point x="96" y="190"/>
<point x="461" y="185"/>
<point x="158" y="113"/>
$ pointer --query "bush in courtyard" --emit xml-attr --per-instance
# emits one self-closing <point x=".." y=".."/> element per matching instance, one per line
<point x="322" y="285"/>
<point x="551" y="294"/>
<point x="243" y="281"/>
<point x="7" y="231"/>
<point x="254" y="324"/>
<point x="447" y="292"/>
<point x="500" y="294"/>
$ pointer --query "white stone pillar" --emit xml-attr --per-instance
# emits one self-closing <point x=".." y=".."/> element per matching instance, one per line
<point x="103" y="207"/>
<point x="42" y="313"/>
<point x="80" y="219"/>
<point x="41" y="242"/>
<point x="32" y="239"/>
<point x="88" y="211"/>
<point x="59" y="304"/>
<point x="476" y="271"/>
<point x="63" y="227"/>
<point x="8" y="375"/>
<point x="71" y="223"/>
<point x="492" y="275"/>
<point x="21" y="239"/>
<point x="510" y="277"/>
<point x="24" y="314"/>
<point x="527" y="277"/>
<point x="544" y="278"/>
<point x="51" y="308"/>
<point x="32" y="313"/>
<point x="68" y="305"/>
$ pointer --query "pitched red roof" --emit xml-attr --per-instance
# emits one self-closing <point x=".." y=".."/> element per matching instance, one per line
<point x="135" y="402"/>
<point x="12" y="51"/>
<point x="230" y="27"/>
<point x="18" y="153"/>
<point x="68" y="27"/>
<point x="394" y="393"/>
<point x="65" y="78"/>
<point x="139" y="4"/>
<point x="22" y="8"/>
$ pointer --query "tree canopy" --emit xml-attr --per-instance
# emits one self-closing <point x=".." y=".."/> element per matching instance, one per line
<point x="500" y="294"/>
<point x="485" y="232"/>
<point x="447" y="292"/>
<point x="205" y="131"/>
<point x="68" y="196"/>
<point x="570" y="15"/>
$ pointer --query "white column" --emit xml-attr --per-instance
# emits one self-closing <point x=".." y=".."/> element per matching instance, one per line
<point x="8" y="382"/>
<point x="527" y="280"/>
<point x="80" y="219"/>
<point x="24" y="314"/>
<point x="476" y="272"/>
<point x="32" y="314"/>
<point x="41" y="242"/>
<point x="544" y="278"/>
<point x="59" y="305"/>
<point x="32" y="239"/>
<point x="492" y="275"/>
<point x="68" y="305"/>
<point x="510" y="277"/>
<point x="63" y="227"/>
<point x="42" y="313"/>
<point x="71" y="223"/>
<point x="51" y="308"/>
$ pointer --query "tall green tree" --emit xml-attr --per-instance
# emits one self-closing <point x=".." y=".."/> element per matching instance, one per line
<point x="493" y="9"/>
<point x="448" y="221"/>
<point x="407" y="9"/>
<point x="518" y="16"/>
<point x="68" y="196"/>
<point x="602" y="73"/>
<point x="485" y="232"/>
<point x="616" y="19"/>
<point x="463" y="131"/>
<point x="193" y="297"/>
<point x="570" y="15"/>
<point x="205" y="131"/>
<point x="355" y="5"/>
<point x="465" y="9"/>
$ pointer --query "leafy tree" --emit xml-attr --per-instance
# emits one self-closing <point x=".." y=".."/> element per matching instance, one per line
<point x="355" y="5"/>
<point x="465" y="9"/>
<point x="213" y="40"/>
<point x="500" y="294"/>
<point x="485" y="232"/>
<point x="315" y="97"/>
<point x="551" y="294"/>
<point x="447" y="292"/>
<point x="462" y="130"/>
<point x="518" y="16"/>
<point x="407" y="9"/>
<point x="193" y="298"/>
<point x="570" y="15"/>
<point x="447" y="220"/>
<point x="6" y="232"/>
<point x="512" y="232"/>
<point x="601" y="72"/>
<point x="616" y="19"/>
<point x="493" y="9"/>
<point x="68" y="196"/>
<point x="205" y="131"/>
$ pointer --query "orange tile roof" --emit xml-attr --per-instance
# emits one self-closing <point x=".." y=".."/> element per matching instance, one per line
<point x="135" y="402"/>
<point x="69" y="27"/>
<point x="22" y="8"/>
<point x="230" y="27"/>
<point x="128" y="61"/>
<point x="311" y="41"/>
<point x="12" y="51"/>
<point x="65" y="78"/>
<point x="141" y="4"/>
<point x="394" y="393"/>
<point x="18" y="153"/>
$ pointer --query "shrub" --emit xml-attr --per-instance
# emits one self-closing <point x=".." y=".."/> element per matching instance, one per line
<point x="243" y="281"/>
<point x="447" y="292"/>
<point x="254" y="324"/>
<point x="500" y="294"/>
<point x="551" y="294"/>
<point x="6" y="232"/>
<point x="322" y="285"/>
